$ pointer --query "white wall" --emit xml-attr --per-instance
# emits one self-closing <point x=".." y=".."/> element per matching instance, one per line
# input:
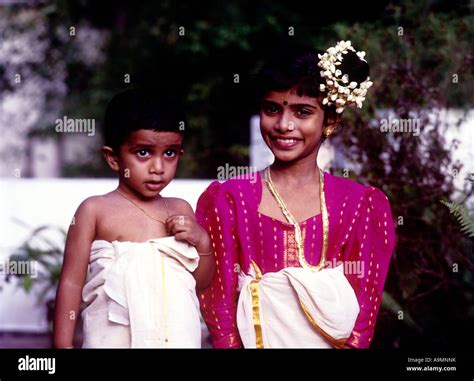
<point x="28" y="203"/>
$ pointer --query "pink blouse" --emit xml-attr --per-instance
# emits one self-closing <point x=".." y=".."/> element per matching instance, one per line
<point x="361" y="236"/>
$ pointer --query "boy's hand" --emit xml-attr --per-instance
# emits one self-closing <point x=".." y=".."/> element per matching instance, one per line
<point x="186" y="228"/>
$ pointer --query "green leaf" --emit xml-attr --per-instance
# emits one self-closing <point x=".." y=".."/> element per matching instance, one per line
<point x="464" y="219"/>
<point x="27" y="283"/>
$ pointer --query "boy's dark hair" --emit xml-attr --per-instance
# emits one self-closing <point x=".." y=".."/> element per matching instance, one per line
<point x="136" y="109"/>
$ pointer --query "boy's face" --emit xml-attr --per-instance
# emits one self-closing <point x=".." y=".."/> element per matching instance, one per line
<point x="148" y="161"/>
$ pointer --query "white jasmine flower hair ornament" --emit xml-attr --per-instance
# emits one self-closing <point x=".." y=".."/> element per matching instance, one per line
<point x="339" y="90"/>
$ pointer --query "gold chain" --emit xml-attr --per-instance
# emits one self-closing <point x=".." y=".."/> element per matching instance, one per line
<point x="292" y="220"/>
<point x="144" y="211"/>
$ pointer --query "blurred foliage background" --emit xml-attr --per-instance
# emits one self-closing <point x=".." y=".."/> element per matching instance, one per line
<point x="421" y="60"/>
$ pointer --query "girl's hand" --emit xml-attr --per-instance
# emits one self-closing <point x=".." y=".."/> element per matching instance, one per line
<point x="185" y="228"/>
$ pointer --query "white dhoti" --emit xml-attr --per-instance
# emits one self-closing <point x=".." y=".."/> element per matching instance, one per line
<point x="296" y="308"/>
<point x="141" y="295"/>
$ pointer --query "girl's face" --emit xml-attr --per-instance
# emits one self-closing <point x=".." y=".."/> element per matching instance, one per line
<point x="147" y="161"/>
<point x="291" y="125"/>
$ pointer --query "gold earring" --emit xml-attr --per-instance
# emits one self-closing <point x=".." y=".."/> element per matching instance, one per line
<point x="327" y="133"/>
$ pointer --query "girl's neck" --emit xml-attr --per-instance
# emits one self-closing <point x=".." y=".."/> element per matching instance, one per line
<point x="295" y="174"/>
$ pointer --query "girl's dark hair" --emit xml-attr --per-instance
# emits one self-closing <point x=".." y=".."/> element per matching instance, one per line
<point x="136" y="109"/>
<point x="299" y="69"/>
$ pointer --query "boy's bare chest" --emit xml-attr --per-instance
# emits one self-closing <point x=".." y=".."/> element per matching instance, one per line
<point x="130" y="225"/>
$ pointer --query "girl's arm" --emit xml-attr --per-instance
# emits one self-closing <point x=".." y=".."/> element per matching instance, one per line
<point x="216" y="212"/>
<point x="73" y="274"/>
<point x="371" y="244"/>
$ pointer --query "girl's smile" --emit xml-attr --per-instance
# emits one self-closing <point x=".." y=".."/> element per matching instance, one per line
<point x="286" y="142"/>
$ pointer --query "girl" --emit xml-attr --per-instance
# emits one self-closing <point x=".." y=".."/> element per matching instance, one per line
<point x="146" y="253"/>
<point x="302" y="255"/>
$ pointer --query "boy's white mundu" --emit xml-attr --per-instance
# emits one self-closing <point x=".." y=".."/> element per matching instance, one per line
<point x="142" y="295"/>
<point x="296" y="308"/>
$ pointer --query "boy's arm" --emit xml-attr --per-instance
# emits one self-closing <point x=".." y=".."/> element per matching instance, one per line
<point x="73" y="274"/>
<point x="207" y="263"/>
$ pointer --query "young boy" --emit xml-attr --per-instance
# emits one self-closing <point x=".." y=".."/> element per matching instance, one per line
<point x="146" y="253"/>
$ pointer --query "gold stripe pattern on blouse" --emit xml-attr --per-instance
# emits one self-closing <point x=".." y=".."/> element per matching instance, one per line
<point x="296" y="225"/>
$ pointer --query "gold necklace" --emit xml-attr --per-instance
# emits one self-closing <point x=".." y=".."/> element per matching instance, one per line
<point x="143" y="210"/>
<point x="298" y="235"/>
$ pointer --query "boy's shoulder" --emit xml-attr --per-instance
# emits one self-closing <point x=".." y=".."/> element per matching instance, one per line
<point x="93" y="203"/>
<point x="178" y="205"/>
